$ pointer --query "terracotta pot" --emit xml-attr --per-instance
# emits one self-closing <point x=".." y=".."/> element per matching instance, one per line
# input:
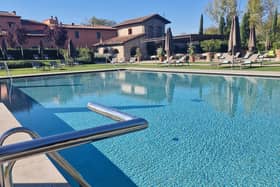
<point x="277" y="52"/>
<point x="192" y="58"/>
<point x="209" y="56"/>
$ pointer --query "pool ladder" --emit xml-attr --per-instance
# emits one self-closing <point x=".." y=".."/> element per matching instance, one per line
<point x="9" y="154"/>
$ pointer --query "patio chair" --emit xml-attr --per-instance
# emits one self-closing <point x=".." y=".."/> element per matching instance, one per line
<point x="2" y="65"/>
<point x="132" y="60"/>
<point x="251" y="60"/>
<point x="54" y="64"/>
<point x="168" y="60"/>
<point x="35" y="57"/>
<point x="36" y="65"/>
<point x="114" y="61"/>
<point x="46" y="57"/>
<point x="10" y="57"/>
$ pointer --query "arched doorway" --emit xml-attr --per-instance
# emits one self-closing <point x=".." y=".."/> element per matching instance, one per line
<point x="133" y="51"/>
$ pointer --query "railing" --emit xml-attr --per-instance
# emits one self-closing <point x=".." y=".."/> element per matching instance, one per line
<point x="48" y="145"/>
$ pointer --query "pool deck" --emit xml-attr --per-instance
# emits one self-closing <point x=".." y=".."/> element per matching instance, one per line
<point x="268" y="74"/>
<point x="33" y="171"/>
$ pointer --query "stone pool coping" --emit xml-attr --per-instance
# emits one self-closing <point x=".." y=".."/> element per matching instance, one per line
<point x="34" y="171"/>
<point x="268" y="74"/>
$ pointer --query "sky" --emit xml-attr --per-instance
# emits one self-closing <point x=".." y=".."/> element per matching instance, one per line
<point x="184" y="14"/>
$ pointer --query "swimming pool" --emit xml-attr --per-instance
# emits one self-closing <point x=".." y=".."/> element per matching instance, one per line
<point x="203" y="130"/>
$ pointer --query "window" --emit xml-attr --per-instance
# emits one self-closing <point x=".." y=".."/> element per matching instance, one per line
<point x="98" y="35"/>
<point x="130" y="31"/>
<point x="77" y="34"/>
<point x="11" y="24"/>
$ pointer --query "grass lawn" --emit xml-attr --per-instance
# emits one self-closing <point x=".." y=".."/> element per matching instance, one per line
<point x="25" y="71"/>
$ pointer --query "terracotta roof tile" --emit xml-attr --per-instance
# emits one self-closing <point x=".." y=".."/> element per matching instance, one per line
<point x="101" y="27"/>
<point x="7" y="14"/>
<point x="119" y="40"/>
<point x="31" y="22"/>
<point x="141" y="20"/>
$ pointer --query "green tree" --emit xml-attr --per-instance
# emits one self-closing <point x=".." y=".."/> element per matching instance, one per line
<point x="217" y="8"/>
<point x="274" y="22"/>
<point x="201" y="25"/>
<point x="222" y="25"/>
<point x="245" y="29"/>
<point x="99" y="21"/>
<point x="255" y="9"/>
<point x="211" y="30"/>
<point x="60" y="37"/>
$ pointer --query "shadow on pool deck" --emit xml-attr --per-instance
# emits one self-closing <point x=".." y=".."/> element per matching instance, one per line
<point x="93" y="165"/>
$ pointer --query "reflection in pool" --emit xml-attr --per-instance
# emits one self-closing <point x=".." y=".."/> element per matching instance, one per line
<point x="204" y="130"/>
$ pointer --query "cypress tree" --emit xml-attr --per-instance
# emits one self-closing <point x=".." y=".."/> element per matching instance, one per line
<point x="201" y="25"/>
<point x="245" y="29"/>
<point x="222" y="25"/>
<point x="274" y="22"/>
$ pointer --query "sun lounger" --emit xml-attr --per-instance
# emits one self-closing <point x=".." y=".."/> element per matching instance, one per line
<point x="251" y="60"/>
<point x="227" y="59"/>
<point x="168" y="60"/>
<point x="181" y="60"/>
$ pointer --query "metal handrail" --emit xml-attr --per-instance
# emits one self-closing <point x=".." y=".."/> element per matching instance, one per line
<point x="6" y="172"/>
<point x="127" y="124"/>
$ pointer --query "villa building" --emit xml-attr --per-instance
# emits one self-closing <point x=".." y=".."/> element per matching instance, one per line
<point x="131" y="34"/>
<point x="34" y="31"/>
<point x="146" y="33"/>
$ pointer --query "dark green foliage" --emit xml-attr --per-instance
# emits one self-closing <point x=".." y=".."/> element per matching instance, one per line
<point x="72" y="52"/>
<point x="274" y="22"/>
<point x="213" y="45"/>
<point x="4" y="51"/>
<point x="228" y="25"/>
<point x="245" y="30"/>
<point x="201" y="25"/>
<point x="60" y="37"/>
<point x="98" y="21"/>
<point x="222" y="25"/>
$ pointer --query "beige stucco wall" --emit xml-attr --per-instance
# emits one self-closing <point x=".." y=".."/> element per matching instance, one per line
<point x="120" y="48"/>
<point x="138" y="29"/>
<point x="135" y="43"/>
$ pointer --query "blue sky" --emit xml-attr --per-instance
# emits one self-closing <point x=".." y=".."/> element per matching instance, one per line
<point x="184" y="14"/>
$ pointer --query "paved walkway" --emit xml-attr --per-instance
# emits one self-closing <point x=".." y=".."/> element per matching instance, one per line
<point x="213" y="72"/>
<point x="34" y="171"/>
<point x="274" y="74"/>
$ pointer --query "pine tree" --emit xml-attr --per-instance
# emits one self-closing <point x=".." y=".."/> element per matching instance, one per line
<point x="201" y="25"/>
<point x="245" y="29"/>
<point x="222" y="25"/>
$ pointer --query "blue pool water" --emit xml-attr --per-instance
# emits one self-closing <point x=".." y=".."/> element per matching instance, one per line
<point x="203" y="130"/>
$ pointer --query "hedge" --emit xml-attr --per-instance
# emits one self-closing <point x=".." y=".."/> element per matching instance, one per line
<point x="29" y="54"/>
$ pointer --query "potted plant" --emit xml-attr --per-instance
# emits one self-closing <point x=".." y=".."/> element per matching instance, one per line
<point x="160" y="54"/>
<point x="209" y="46"/>
<point x="138" y="54"/>
<point x="191" y="52"/>
<point x="276" y="47"/>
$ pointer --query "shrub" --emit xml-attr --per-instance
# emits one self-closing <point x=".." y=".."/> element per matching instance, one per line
<point x="213" y="45"/>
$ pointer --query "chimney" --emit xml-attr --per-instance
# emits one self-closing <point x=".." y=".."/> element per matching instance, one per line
<point x="73" y="24"/>
<point x="14" y="12"/>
